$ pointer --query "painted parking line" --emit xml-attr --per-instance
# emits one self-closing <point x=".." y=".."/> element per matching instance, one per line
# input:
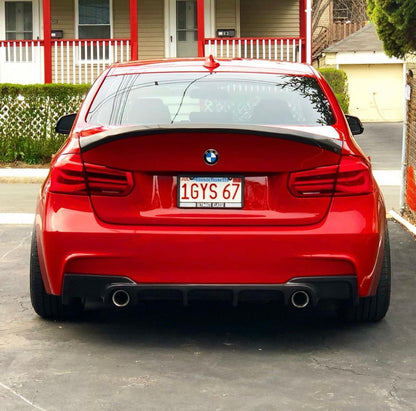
<point x="17" y="218"/>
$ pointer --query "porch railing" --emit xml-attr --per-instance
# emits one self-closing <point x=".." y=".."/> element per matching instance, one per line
<point x="81" y="61"/>
<point x="270" y="48"/>
<point x="73" y="61"/>
<point x="20" y="51"/>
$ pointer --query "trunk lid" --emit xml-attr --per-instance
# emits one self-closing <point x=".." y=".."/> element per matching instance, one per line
<point x="264" y="157"/>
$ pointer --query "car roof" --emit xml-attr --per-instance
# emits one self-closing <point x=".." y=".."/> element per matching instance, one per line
<point x="211" y="64"/>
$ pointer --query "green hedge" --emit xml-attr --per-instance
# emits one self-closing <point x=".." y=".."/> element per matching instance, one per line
<point x="28" y="114"/>
<point x="338" y="81"/>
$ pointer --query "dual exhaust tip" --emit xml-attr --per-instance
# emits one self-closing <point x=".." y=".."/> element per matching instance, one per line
<point x="299" y="299"/>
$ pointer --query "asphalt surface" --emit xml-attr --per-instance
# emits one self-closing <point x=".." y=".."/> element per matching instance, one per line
<point x="159" y="357"/>
<point x="204" y="357"/>
<point x="382" y="142"/>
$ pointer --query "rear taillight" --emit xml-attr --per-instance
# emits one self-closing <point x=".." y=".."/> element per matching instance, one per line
<point x="354" y="177"/>
<point x="351" y="177"/>
<point x="108" y="181"/>
<point x="70" y="176"/>
<point x="67" y="175"/>
<point x="316" y="182"/>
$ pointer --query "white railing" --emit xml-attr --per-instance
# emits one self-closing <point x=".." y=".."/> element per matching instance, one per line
<point x="268" y="48"/>
<point x="81" y="61"/>
<point x="21" y="61"/>
<point x="20" y="51"/>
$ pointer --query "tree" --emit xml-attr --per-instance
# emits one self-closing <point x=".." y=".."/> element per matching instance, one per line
<point x="396" y="25"/>
<point x="319" y="8"/>
<point x="352" y="10"/>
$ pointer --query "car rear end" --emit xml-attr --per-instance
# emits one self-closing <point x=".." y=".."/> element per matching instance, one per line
<point x="177" y="183"/>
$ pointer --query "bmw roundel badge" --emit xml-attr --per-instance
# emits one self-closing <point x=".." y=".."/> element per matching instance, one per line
<point x="211" y="157"/>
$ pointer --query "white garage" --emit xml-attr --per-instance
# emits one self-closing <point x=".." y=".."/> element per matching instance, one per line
<point x="375" y="81"/>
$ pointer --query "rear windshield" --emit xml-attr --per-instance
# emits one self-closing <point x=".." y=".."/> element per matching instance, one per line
<point x="210" y="98"/>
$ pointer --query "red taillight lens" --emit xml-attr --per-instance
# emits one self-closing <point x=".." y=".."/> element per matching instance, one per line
<point x="108" y="181"/>
<point x="351" y="177"/>
<point x="354" y="177"/>
<point x="316" y="182"/>
<point x="69" y="176"/>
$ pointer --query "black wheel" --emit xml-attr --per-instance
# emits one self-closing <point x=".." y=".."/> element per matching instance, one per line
<point x="47" y="305"/>
<point x="372" y="309"/>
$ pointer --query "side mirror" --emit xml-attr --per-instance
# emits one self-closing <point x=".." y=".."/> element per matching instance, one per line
<point x="65" y="123"/>
<point x="355" y="124"/>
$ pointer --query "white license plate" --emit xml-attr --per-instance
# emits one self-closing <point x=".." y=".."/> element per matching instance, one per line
<point x="210" y="192"/>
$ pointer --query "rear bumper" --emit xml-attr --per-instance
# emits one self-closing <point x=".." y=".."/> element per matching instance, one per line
<point x="348" y="242"/>
<point x="343" y="288"/>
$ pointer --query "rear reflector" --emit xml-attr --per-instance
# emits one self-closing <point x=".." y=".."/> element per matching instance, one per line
<point x="351" y="177"/>
<point x="69" y="176"/>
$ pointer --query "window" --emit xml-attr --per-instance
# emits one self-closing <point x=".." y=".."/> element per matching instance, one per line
<point x="94" y="22"/>
<point x="218" y="98"/>
<point x="19" y="21"/>
<point x="19" y="26"/>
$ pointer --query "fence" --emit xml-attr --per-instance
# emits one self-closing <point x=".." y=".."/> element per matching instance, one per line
<point x="336" y="31"/>
<point x="28" y="115"/>
<point x="339" y="30"/>
<point x="81" y="61"/>
<point x="410" y="162"/>
<point x="271" y="48"/>
<point x="73" y="61"/>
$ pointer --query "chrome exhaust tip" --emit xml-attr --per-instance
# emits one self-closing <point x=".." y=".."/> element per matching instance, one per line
<point x="120" y="298"/>
<point x="300" y="299"/>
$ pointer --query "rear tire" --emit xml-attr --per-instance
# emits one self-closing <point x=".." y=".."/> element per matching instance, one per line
<point x="47" y="305"/>
<point x="372" y="309"/>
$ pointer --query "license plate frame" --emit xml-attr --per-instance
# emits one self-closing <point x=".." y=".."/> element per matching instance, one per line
<point x="210" y="191"/>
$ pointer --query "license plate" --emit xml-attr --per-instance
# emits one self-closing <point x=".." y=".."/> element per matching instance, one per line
<point x="210" y="192"/>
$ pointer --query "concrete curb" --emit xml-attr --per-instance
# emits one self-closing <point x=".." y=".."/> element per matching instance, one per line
<point x="23" y="175"/>
<point x="403" y="222"/>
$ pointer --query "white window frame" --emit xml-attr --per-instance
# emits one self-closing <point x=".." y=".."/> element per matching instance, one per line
<point x="35" y="17"/>
<point x="81" y="60"/>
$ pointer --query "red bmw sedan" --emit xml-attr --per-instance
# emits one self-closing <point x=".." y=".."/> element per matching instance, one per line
<point x="192" y="179"/>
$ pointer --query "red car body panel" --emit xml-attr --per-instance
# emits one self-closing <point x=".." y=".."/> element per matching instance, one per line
<point x="74" y="241"/>
<point x="277" y="236"/>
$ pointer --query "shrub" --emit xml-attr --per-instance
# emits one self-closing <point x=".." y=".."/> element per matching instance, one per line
<point x="28" y="114"/>
<point x="338" y="81"/>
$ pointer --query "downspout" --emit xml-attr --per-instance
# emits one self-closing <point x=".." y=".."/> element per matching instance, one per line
<point x="134" y="31"/>
<point x="47" y="41"/>
<point x="201" y="27"/>
<point x="308" y="31"/>
<point x="302" y="29"/>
